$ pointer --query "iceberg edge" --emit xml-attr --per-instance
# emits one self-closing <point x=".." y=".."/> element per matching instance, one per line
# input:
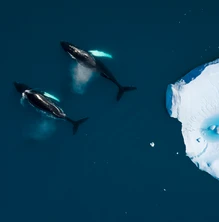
<point x="193" y="100"/>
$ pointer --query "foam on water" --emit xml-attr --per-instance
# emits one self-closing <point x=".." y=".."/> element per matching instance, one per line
<point x="194" y="101"/>
<point x="41" y="129"/>
<point x="81" y="76"/>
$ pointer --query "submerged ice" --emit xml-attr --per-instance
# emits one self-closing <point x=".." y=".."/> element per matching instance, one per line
<point x="194" y="101"/>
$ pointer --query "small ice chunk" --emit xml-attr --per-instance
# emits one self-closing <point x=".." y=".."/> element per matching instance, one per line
<point x="212" y="127"/>
<point x="152" y="144"/>
<point x="217" y="130"/>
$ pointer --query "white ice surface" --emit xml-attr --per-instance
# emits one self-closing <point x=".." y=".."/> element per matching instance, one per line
<point x="194" y="101"/>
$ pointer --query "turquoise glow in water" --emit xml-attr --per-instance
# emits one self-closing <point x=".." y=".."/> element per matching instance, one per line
<point x="210" y="129"/>
<point x="51" y="96"/>
<point x="100" y="54"/>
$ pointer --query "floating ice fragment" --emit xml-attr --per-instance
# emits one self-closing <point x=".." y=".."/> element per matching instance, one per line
<point x="217" y="129"/>
<point x="194" y="101"/>
<point x="152" y="144"/>
<point x="212" y="127"/>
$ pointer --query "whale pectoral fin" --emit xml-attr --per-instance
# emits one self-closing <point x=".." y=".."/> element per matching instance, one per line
<point x="55" y="99"/>
<point x="22" y="101"/>
<point x="105" y="76"/>
<point x="100" y="54"/>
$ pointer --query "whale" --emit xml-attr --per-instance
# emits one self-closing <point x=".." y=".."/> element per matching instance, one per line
<point x="46" y="104"/>
<point x="89" y="60"/>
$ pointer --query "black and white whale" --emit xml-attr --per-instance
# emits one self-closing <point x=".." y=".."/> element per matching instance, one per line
<point x="46" y="103"/>
<point x="88" y="60"/>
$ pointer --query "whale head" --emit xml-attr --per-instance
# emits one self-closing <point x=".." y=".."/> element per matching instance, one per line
<point x="75" y="52"/>
<point x="72" y="50"/>
<point x="20" y="87"/>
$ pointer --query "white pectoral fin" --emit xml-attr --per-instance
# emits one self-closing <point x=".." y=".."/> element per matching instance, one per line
<point x="71" y="55"/>
<point x="22" y="101"/>
<point x="100" y="54"/>
<point x="51" y="96"/>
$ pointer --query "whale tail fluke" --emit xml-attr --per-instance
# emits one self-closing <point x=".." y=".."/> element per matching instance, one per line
<point x="76" y="123"/>
<point x="123" y="89"/>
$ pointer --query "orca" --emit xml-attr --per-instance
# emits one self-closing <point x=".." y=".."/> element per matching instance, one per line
<point x="88" y="60"/>
<point x="46" y="103"/>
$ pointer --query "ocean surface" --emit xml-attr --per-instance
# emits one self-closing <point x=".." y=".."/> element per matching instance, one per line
<point x="107" y="172"/>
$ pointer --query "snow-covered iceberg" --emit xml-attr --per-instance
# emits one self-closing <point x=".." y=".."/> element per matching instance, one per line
<point x="194" y="101"/>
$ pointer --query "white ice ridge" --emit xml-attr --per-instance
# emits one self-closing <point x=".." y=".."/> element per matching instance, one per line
<point x="194" y="101"/>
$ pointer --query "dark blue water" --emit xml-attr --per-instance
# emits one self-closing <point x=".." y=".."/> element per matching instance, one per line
<point x="108" y="172"/>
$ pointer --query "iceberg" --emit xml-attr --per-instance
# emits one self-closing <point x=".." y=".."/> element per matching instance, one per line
<point x="194" y="101"/>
